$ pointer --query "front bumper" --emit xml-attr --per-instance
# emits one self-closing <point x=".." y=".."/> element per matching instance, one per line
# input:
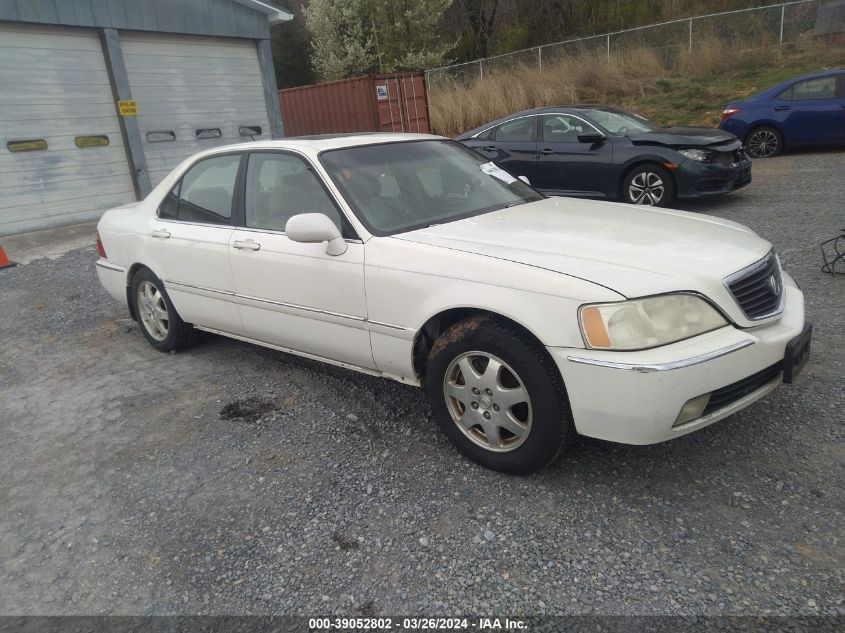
<point x="695" y="179"/>
<point x="636" y="397"/>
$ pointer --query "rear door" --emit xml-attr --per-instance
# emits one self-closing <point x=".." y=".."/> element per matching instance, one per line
<point x="566" y="165"/>
<point x="811" y="111"/>
<point x="512" y="145"/>
<point x="188" y="243"/>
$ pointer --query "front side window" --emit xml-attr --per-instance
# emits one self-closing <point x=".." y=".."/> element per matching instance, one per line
<point x="205" y="193"/>
<point x="280" y="186"/>
<point x="822" y="88"/>
<point x="562" y="128"/>
<point x="518" y="130"/>
<point x="398" y="187"/>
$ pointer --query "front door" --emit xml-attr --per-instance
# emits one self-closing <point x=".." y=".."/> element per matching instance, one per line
<point x="291" y="294"/>
<point x="188" y="244"/>
<point x="566" y="165"/>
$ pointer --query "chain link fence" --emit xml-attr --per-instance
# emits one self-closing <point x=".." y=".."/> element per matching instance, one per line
<point x="674" y="42"/>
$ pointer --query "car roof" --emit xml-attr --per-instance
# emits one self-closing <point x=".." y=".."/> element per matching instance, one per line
<point x="322" y="142"/>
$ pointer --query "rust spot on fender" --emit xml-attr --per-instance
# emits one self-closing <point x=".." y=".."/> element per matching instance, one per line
<point x="457" y="332"/>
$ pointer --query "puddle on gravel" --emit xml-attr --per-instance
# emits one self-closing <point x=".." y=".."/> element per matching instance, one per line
<point x="248" y="410"/>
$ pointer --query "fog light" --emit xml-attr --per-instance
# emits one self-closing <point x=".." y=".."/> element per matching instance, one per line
<point x="692" y="410"/>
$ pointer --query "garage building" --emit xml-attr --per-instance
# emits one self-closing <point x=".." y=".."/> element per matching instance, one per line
<point x="99" y="99"/>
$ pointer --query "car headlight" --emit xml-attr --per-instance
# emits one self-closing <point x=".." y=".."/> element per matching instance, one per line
<point x="648" y="322"/>
<point x="697" y="154"/>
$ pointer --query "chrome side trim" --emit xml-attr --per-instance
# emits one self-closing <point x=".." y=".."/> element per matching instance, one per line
<point x="109" y="266"/>
<point x="650" y="367"/>
<point x="525" y="116"/>
<point x="231" y="296"/>
<point x="290" y="350"/>
<point x="226" y="293"/>
<point x="389" y="326"/>
<point x="294" y="306"/>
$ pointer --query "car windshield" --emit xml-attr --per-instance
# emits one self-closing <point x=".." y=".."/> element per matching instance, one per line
<point x="621" y="122"/>
<point x="398" y="187"/>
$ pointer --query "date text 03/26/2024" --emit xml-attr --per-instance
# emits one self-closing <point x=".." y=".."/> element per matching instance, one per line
<point x="416" y="624"/>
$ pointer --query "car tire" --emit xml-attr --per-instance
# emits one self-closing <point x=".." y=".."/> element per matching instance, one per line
<point x="648" y="184"/>
<point x="160" y="323"/>
<point x="524" y="421"/>
<point x="764" y="142"/>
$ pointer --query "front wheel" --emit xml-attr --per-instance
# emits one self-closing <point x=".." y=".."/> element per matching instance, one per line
<point x="498" y="396"/>
<point x="764" y="142"/>
<point x="648" y="185"/>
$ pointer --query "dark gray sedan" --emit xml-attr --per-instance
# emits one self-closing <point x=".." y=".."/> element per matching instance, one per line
<point x="603" y="152"/>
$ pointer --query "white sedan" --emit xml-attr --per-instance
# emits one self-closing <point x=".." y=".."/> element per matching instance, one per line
<point x="526" y="319"/>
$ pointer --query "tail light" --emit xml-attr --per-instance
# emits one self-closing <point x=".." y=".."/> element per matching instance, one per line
<point x="727" y="113"/>
<point x="100" y="250"/>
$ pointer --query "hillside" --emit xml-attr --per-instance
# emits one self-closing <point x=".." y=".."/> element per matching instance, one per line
<point x="690" y="92"/>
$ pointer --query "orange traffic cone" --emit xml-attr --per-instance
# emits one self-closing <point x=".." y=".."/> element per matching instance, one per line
<point x="4" y="260"/>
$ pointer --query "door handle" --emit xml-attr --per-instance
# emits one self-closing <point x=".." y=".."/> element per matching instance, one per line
<point x="780" y="108"/>
<point x="547" y="150"/>
<point x="247" y="245"/>
<point x="490" y="148"/>
<point x="160" y="233"/>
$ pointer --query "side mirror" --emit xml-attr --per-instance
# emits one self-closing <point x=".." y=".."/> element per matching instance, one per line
<point x="313" y="228"/>
<point x="591" y="138"/>
<point x="524" y="179"/>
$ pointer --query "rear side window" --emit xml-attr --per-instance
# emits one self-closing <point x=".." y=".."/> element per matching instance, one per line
<point x="821" y="88"/>
<point x="518" y="130"/>
<point x="205" y="193"/>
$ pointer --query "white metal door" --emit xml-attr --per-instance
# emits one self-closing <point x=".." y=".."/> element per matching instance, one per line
<point x="55" y="93"/>
<point x="188" y="90"/>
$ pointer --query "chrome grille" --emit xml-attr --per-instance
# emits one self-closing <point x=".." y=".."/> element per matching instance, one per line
<point x="758" y="289"/>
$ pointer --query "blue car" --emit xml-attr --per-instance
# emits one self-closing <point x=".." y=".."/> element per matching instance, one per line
<point x="808" y="110"/>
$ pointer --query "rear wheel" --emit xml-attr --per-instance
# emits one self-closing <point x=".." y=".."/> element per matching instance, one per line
<point x="498" y="396"/>
<point x="648" y="185"/>
<point x="160" y="323"/>
<point x="764" y="142"/>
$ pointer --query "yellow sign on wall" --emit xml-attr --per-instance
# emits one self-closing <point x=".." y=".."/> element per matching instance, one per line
<point x="128" y="107"/>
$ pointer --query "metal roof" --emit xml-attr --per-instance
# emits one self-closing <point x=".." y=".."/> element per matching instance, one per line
<point x="226" y="18"/>
<point x="274" y="13"/>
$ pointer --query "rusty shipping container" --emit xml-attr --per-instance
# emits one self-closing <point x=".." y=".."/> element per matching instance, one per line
<point x="372" y="103"/>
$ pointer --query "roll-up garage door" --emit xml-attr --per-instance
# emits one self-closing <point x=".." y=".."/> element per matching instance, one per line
<point x="62" y="158"/>
<point x="193" y="93"/>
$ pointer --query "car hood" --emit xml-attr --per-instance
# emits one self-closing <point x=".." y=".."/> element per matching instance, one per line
<point x="633" y="250"/>
<point x="687" y="137"/>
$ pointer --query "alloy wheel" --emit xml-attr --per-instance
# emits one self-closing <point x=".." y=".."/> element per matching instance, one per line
<point x="488" y="401"/>
<point x="762" y="144"/>
<point x="646" y="188"/>
<point x="153" y="311"/>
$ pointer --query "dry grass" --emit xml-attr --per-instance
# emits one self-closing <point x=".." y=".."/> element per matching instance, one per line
<point x="685" y="90"/>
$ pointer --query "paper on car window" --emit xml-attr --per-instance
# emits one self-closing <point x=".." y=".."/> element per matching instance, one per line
<point x="497" y="172"/>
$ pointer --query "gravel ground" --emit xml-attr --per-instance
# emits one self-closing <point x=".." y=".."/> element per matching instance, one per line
<point x="230" y="479"/>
